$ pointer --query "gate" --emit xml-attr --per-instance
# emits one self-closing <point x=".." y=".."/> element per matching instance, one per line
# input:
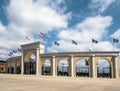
<point x="104" y="72"/>
<point x="62" y="71"/>
<point x="82" y="71"/>
<point x="46" y="70"/>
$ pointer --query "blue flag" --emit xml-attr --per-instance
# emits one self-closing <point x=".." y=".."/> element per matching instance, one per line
<point x="56" y="43"/>
<point x="20" y="50"/>
<point x="11" y="53"/>
<point x="115" y="40"/>
<point x="94" y="41"/>
<point x="14" y="51"/>
<point x="74" y="42"/>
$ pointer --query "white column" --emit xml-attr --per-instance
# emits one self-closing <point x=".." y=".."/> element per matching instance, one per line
<point x="72" y="66"/>
<point x="116" y="67"/>
<point x="93" y="67"/>
<point x="54" y="66"/>
<point x="37" y="61"/>
<point x="22" y="64"/>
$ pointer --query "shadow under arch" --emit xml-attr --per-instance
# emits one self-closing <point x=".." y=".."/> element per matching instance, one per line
<point x="46" y="67"/>
<point x="82" y="68"/>
<point x="63" y="68"/>
<point x="30" y="64"/>
<point x="103" y="68"/>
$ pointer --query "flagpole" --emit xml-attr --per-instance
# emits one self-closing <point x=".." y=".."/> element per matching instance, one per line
<point x="91" y="47"/>
<point x="113" y="46"/>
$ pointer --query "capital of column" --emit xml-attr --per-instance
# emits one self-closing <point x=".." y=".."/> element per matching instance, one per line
<point x="53" y="56"/>
<point x="93" y="55"/>
<point x="37" y="48"/>
<point x="71" y="56"/>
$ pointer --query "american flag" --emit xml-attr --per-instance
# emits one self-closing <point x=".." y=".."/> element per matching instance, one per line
<point x="27" y="38"/>
<point x="43" y="34"/>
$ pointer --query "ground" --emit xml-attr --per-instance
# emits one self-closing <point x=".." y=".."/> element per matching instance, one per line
<point x="44" y="83"/>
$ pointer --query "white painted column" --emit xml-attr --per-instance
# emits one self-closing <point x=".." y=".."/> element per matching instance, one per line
<point x="72" y="66"/>
<point x="37" y="61"/>
<point x="22" y="64"/>
<point x="54" y="66"/>
<point x="93" y="67"/>
<point x="116" y="67"/>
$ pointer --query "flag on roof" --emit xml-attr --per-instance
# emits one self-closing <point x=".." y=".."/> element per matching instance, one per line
<point x="43" y="34"/>
<point x="74" y="42"/>
<point x="11" y="53"/>
<point x="56" y="43"/>
<point x="20" y="50"/>
<point x="14" y="51"/>
<point x="115" y="40"/>
<point x="27" y="38"/>
<point x="94" y="41"/>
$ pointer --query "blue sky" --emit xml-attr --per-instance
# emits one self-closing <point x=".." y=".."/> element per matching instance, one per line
<point x="63" y="21"/>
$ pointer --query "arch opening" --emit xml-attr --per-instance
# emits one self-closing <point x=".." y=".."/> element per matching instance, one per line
<point x="82" y="68"/>
<point x="18" y="70"/>
<point x="63" y="67"/>
<point x="103" y="69"/>
<point x="30" y="65"/>
<point x="46" y="68"/>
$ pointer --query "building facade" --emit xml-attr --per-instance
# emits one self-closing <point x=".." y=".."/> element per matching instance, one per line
<point x="33" y="59"/>
<point x="2" y="66"/>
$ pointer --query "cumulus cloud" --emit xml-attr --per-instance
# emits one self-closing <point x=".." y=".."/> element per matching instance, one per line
<point x="101" y="5"/>
<point x="29" y="18"/>
<point x="91" y="27"/>
<point x="35" y="16"/>
<point x="2" y="28"/>
<point x="82" y="33"/>
<point x="116" y="34"/>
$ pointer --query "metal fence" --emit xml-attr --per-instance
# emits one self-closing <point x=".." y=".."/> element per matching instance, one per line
<point x="82" y="71"/>
<point x="104" y="72"/>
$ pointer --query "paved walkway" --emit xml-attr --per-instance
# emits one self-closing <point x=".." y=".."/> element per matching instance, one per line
<point x="39" y="83"/>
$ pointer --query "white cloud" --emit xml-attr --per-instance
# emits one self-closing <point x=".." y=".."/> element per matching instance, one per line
<point x="2" y="28"/>
<point x="35" y="16"/>
<point x="82" y="33"/>
<point x="28" y="18"/>
<point x="116" y="34"/>
<point x="91" y="27"/>
<point x="101" y="5"/>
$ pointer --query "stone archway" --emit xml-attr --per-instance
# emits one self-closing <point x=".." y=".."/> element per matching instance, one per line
<point x="46" y="68"/>
<point x="82" y="68"/>
<point x="103" y="68"/>
<point x="30" y="64"/>
<point x="63" y="68"/>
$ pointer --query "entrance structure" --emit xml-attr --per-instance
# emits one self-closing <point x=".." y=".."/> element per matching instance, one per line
<point x="33" y="59"/>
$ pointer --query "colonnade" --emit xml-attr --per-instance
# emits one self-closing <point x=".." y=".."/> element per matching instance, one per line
<point x="92" y="60"/>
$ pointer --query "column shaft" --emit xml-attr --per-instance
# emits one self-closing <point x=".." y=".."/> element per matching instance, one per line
<point x="116" y="67"/>
<point x="22" y="64"/>
<point x="93" y="67"/>
<point x="37" y="61"/>
<point x="53" y="65"/>
<point x="72" y="67"/>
